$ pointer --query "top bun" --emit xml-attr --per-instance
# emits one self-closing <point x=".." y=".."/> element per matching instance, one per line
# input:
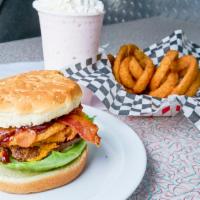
<point x="36" y="97"/>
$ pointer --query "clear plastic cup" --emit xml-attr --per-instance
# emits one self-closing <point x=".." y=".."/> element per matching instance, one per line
<point x="68" y="40"/>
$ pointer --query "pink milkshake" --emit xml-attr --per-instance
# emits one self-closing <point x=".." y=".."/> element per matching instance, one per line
<point x="70" y="30"/>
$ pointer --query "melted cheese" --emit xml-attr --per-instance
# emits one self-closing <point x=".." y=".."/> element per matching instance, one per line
<point x="51" y="143"/>
<point x="44" y="151"/>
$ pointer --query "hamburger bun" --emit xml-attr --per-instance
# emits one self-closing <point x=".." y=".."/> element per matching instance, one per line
<point x="26" y="182"/>
<point x="36" y="97"/>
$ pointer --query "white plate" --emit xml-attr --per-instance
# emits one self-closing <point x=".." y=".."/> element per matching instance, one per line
<point x="113" y="171"/>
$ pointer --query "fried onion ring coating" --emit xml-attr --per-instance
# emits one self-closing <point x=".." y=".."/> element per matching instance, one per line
<point x="125" y="51"/>
<point x="125" y="75"/>
<point x="163" y="69"/>
<point x="135" y="68"/>
<point x="147" y="70"/>
<point x="194" y="87"/>
<point x="111" y="59"/>
<point x="166" y="88"/>
<point x="190" y="63"/>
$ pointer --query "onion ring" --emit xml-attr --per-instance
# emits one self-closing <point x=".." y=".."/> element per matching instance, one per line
<point x="125" y="51"/>
<point x="142" y="74"/>
<point x="194" y="87"/>
<point x="135" y="68"/>
<point x="166" y="88"/>
<point x="124" y="74"/>
<point x="111" y="59"/>
<point x="163" y="69"/>
<point x="190" y="63"/>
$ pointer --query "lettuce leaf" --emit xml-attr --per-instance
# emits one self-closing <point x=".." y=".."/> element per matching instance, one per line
<point x="89" y="118"/>
<point x="54" y="160"/>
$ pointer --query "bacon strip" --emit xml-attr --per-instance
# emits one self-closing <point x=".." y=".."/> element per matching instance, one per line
<point x="85" y="128"/>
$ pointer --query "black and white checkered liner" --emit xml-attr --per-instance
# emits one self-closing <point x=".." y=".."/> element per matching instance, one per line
<point x="99" y="79"/>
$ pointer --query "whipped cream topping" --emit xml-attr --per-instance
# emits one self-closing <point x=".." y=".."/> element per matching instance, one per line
<point x="73" y="7"/>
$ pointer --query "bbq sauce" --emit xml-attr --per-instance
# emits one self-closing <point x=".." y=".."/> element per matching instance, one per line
<point x="6" y="138"/>
<point x="5" y="158"/>
<point x="40" y="128"/>
<point x="6" y="134"/>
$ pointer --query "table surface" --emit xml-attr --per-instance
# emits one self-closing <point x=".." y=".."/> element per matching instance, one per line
<point x="172" y="143"/>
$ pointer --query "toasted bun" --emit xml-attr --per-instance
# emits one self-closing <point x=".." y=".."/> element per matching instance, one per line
<point x="20" y="182"/>
<point x="36" y="97"/>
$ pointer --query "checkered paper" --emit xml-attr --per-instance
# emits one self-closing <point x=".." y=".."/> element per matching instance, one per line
<point x="97" y="76"/>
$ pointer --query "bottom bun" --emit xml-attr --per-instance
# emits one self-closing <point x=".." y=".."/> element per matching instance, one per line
<point x="13" y="181"/>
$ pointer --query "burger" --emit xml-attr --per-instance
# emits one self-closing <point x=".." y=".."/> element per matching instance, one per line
<point x="43" y="132"/>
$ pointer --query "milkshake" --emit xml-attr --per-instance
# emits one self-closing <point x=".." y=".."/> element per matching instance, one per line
<point x="70" y="30"/>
